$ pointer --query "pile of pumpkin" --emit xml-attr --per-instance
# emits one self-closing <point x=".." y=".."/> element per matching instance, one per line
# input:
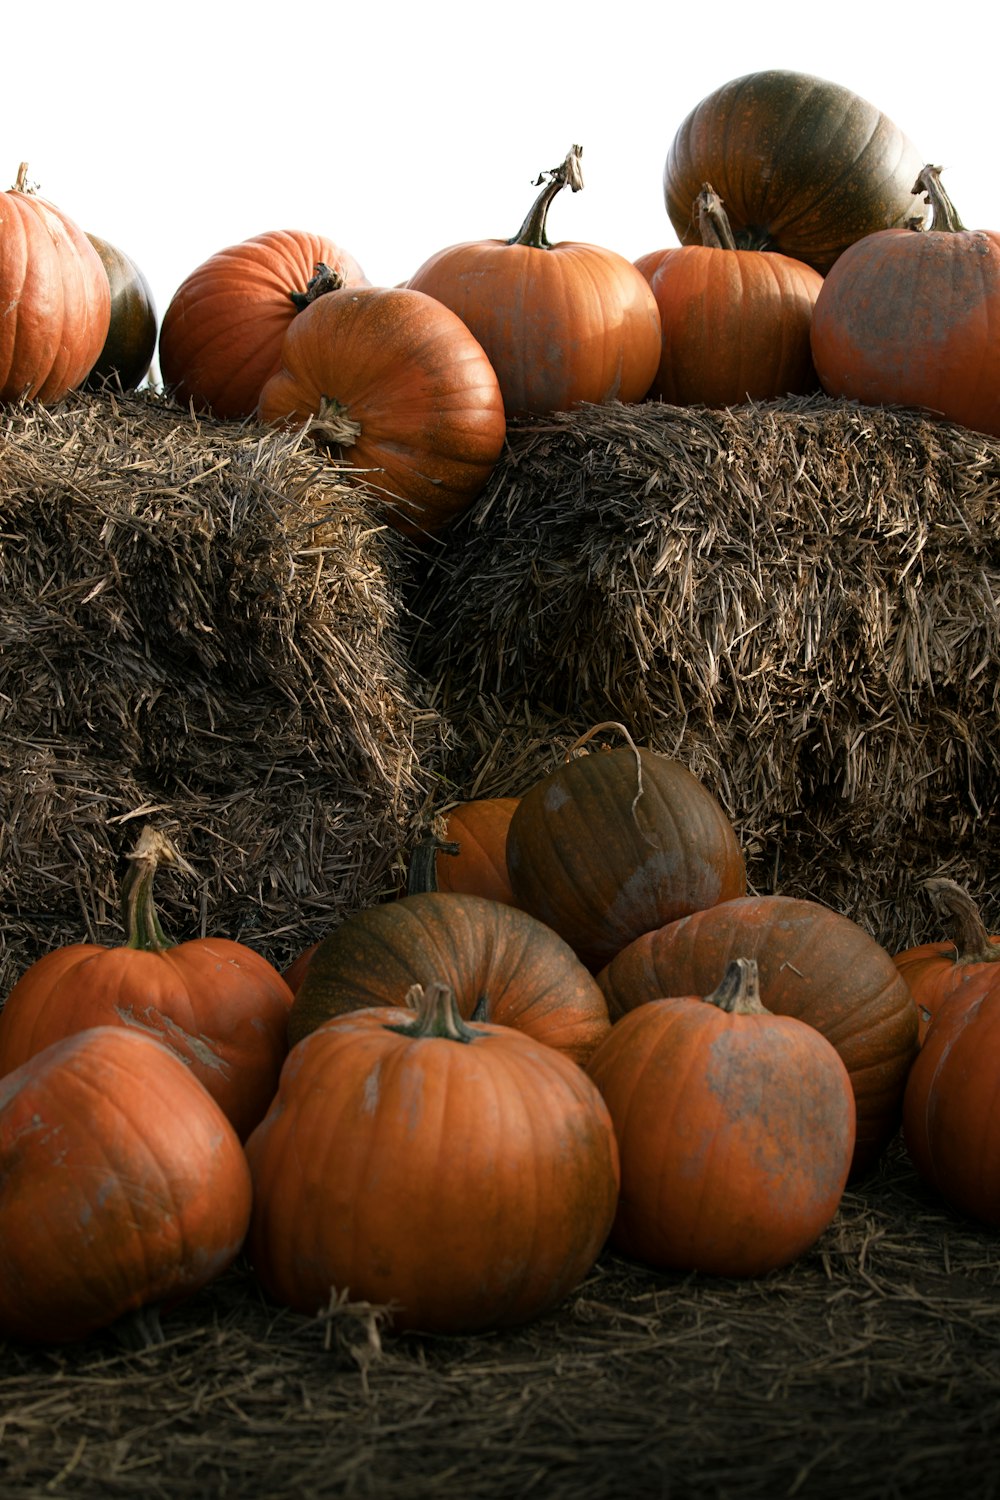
<point x="587" y="1032"/>
<point x="805" y="262"/>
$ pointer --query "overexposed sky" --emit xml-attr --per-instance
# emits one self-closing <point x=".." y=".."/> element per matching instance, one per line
<point x="176" y="130"/>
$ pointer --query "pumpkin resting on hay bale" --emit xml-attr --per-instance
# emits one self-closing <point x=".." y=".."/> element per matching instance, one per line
<point x="799" y="599"/>
<point x="200" y="629"/>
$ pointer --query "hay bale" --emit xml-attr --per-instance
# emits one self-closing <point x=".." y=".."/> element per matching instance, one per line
<point x="799" y="599"/>
<point x="199" y="627"/>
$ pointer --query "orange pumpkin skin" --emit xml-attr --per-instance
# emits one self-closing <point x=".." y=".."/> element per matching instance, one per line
<point x="561" y="323"/>
<point x="471" y="1184"/>
<point x="967" y="967"/>
<point x="397" y="387"/>
<point x="479" y="868"/>
<point x="122" y="1185"/>
<point x="735" y="1130"/>
<point x="735" y="325"/>
<point x="951" y="1109"/>
<point x="913" y="319"/>
<point x="55" y="297"/>
<point x="218" y="1005"/>
<point x="502" y="965"/>
<point x="600" y="865"/>
<point x="221" y="335"/>
<point x="814" y="965"/>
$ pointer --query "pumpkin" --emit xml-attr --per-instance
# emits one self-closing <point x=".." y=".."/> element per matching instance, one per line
<point x="913" y="319"/>
<point x="221" y="1007"/>
<point x="951" y="1108"/>
<point x="131" y="342"/>
<point x="815" y="965"/>
<point x="561" y="323"/>
<point x="394" y="385"/>
<point x="465" y="850"/>
<point x="735" y="322"/>
<point x="221" y="335"/>
<point x="967" y="966"/>
<point x="55" y="297"/>
<point x="464" y="1175"/>
<point x="618" y="842"/>
<point x="804" y="166"/>
<point x="735" y="1130"/>
<point x="123" y="1188"/>
<point x="502" y="966"/>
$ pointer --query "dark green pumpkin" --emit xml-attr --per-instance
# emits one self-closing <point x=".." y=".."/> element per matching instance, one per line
<point x="131" y="341"/>
<point x="803" y="166"/>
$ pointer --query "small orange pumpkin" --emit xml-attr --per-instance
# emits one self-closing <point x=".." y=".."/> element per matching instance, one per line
<point x="967" y="966"/>
<point x="465" y="851"/>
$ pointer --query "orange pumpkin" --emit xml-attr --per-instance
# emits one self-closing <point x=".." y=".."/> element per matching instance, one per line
<point x="464" y="1175"/>
<point x="735" y="1130"/>
<point x="123" y="1187"/>
<point x="221" y="1007"/>
<point x="967" y="966"/>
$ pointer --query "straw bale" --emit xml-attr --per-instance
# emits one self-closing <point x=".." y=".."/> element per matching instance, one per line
<point x="199" y="627"/>
<point x="799" y="599"/>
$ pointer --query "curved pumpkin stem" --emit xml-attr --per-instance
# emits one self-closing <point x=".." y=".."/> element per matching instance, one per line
<point x="953" y="904"/>
<point x="713" y="221"/>
<point x="21" y="181"/>
<point x="944" y="213"/>
<point x="738" y="991"/>
<point x="142" y="923"/>
<point x="437" y="1015"/>
<point x="532" y="231"/>
<point x="322" y="281"/>
<point x="422" y="874"/>
<point x="612" y="724"/>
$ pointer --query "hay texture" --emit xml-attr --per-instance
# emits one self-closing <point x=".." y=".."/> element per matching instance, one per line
<point x="798" y="599"/>
<point x="199" y="628"/>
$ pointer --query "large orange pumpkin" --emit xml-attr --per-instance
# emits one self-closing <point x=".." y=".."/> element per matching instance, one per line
<point x="804" y="166"/>
<point x="54" y="294"/>
<point x="913" y="319"/>
<point x="967" y="966"/>
<point x="814" y="964"/>
<point x="561" y="323"/>
<point x="221" y="1007"/>
<point x="735" y="322"/>
<point x="395" y="385"/>
<point x="466" y="1176"/>
<point x="123" y="1187"/>
<point x="221" y="335"/>
<point x="501" y="964"/>
<point x="735" y="1130"/>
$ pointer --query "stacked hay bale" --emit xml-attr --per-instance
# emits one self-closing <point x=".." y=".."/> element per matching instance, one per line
<point x="799" y="599"/>
<point x="199" y="627"/>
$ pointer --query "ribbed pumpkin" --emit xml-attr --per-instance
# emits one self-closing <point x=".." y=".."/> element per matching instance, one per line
<point x="464" y="1175"/>
<point x="54" y="294"/>
<point x="968" y="966"/>
<point x="814" y="964"/>
<point x="221" y="1007"/>
<point x="123" y="1187"/>
<point x="561" y="323"/>
<point x="131" y="342"/>
<point x="913" y="319"/>
<point x="804" y="166"/>
<point x="617" y="842"/>
<point x="501" y="964"/>
<point x="735" y="322"/>
<point x="221" y="335"/>
<point x="735" y="1130"/>
<point x="393" y="384"/>
<point x="951" y="1109"/>
<point x="465" y="850"/>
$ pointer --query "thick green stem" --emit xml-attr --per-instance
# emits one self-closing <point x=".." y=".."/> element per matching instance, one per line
<point x="944" y="213"/>
<point x="738" y="991"/>
<point x="422" y="874"/>
<point x="966" y="929"/>
<point x="142" y="924"/>
<point x="437" y="1015"/>
<point x="532" y="231"/>
<point x="713" y="221"/>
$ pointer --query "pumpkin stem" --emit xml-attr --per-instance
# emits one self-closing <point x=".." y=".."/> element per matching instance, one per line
<point x="953" y="904"/>
<point x="611" y="724"/>
<point x="142" y="924"/>
<point x="713" y="221"/>
<point x="437" y="1014"/>
<point x="322" y="281"/>
<point x="944" y="213"/>
<point x="333" y="426"/>
<point x="139" y="1329"/>
<point x="738" y="991"/>
<point x="422" y="874"/>
<point x="532" y="231"/>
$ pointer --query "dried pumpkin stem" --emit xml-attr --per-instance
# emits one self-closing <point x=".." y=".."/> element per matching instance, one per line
<point x="738" y="991"/>
<point x="532" y="231"/>
<point x="322" y="281"/>
<point x="966" y="929"/>
<point x="141" y="920"/>
<point x="612" y="724"/>
<point x="332" y="425"/>
<point x="944" y="213"/>
<point x="713" y="221"/>
<point x="422" y="874"/>
<point x="437" y="1014"/>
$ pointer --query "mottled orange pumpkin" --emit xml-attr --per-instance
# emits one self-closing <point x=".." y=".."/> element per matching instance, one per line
<point x="968" y="966"/>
